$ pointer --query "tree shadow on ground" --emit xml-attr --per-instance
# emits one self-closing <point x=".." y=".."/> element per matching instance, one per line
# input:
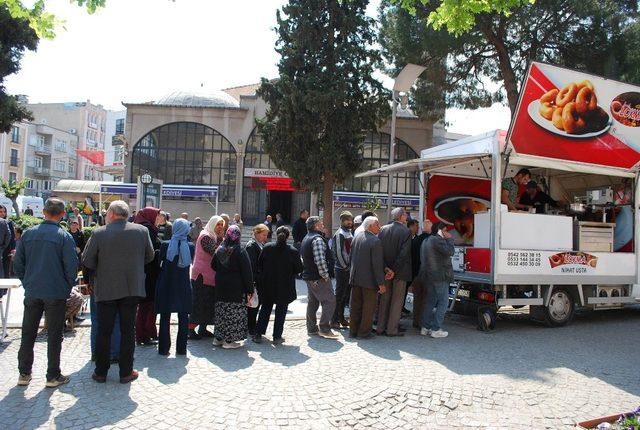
<point x="524" y="349"/>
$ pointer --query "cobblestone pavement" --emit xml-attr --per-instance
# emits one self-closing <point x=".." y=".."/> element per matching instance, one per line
<point x="520" y="376"/>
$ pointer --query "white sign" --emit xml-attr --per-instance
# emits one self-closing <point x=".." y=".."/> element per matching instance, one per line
<point x="272" y="173"/>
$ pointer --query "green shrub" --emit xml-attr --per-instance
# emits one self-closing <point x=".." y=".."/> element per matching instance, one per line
<point x="26" y="221"/>
<point x="87" y="231"/>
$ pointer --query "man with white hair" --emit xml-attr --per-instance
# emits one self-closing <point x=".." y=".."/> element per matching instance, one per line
<point x="118" y="252"/>
<point x="366" y="278"/>
<point x="396" y="247"/>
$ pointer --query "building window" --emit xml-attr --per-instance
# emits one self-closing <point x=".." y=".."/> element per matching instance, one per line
<point x="13" y="162"/>
<point x="120" y="126"/>
<point x="37" y="162"/>
<point x="61" y="145"/>
<point x="30" y="184"/>
<point x="47" y="185"/>
<point x="72" y="169"/>
<point x="13" y="177"/>
<point x="375" y="153"/>
<point x="118" y="155"/>
<point x="40" y="140"/>
<point x="59" y="166"/>
<point x="15" y="134"/>
<point x="187" y="153"/>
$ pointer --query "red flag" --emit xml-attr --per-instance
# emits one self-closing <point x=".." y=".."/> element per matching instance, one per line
<point x="96" y="157"/>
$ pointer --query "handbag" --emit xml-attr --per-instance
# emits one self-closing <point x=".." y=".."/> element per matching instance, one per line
<point x="255" y="301"/>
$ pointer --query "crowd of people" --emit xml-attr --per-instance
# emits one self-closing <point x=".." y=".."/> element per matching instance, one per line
<point x="141" y="266"/>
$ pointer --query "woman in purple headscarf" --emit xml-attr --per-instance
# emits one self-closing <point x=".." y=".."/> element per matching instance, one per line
<point x="234" y="286"/>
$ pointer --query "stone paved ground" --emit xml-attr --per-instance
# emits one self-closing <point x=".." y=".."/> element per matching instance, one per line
<point x="521" y="376"/>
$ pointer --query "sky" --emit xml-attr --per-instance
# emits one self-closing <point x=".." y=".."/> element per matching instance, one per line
<point x="140" y="50"/>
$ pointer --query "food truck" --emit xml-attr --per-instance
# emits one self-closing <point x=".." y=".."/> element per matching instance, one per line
<point x="580" y="249"/>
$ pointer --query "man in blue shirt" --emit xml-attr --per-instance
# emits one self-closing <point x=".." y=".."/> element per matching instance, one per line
<point x="46" y="262"/>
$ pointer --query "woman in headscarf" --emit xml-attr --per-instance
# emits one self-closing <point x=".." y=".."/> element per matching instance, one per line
<point x="234" y="288"/>
<point x="146" y="331"/>
<point x="253" y="248"/>
<point x="203" y="278"/>
<point x="173" y="291"/>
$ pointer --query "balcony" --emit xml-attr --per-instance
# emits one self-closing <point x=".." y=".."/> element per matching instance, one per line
<point x="42" y="149"/>
<point x="117" y="140"/>
<point x="41" y="170"/>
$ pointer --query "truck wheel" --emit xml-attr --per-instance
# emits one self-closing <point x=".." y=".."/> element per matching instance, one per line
<point x="561" y="308"/>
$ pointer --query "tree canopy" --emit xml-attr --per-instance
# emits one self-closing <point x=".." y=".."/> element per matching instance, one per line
<point x="16" y="36"/>
<point x="43" y="22"/>
<point x="459" y="16"/>
<point x="325" y="97"/>
<point x="487" y="63"/>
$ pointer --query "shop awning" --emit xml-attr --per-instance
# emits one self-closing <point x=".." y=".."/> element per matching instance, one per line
<point x="95" y="188"/>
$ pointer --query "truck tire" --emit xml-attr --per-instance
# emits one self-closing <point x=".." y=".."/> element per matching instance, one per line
<point x="560" y="310"/>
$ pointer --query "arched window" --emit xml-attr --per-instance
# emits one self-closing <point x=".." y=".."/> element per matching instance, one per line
<point x="375" y="151"/>
<point x="187" y="153"/>
<point x="255" y="156"/>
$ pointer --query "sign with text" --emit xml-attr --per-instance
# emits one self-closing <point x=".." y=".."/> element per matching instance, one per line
<point x="268" y="173"/>
<point x="272" y="183"/>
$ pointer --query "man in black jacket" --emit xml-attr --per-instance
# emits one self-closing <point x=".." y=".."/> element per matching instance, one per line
<point x="300" y="229"/>
<point x="416" y="285"/>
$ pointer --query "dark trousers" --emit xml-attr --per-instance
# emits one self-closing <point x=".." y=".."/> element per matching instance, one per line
<point x="164" y="335"/>
<point x="362" y="308"/>
<point x="54" y="311"/>
<point x="252" y="316"/>
<point x="343" y="291"/>
<point x="146" y="322"/>
<point x="278" y="324"/>
<point x="419" y="297"/>
<point x="125" y="308"/>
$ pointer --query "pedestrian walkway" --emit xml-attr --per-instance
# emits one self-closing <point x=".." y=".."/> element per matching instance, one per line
<point x="522" y="376"/>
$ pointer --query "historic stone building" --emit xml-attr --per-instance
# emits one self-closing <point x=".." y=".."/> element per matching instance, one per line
<point x="191" y="138"/>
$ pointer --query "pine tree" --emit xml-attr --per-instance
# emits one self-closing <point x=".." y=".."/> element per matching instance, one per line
<point x="326" y="96"/>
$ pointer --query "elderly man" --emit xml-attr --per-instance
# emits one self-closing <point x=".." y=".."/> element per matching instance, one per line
<point x="341" y="254"/>
<point x="317" y="272"/>
<point x="366" y="278"/>
<point x="46" y="262"/>
<point x="396" y="247"/>
<point x="196" y="229"/>
<point x="118" y="253"/>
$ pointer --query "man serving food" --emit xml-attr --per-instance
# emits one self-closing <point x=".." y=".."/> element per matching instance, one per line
<point x="510" y="189"/>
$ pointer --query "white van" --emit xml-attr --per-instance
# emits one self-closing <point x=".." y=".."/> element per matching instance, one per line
<point x="36" y="204"/>
<point x="7" y="203"/>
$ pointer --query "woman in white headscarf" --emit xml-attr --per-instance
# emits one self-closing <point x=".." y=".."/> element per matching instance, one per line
<point x="203" y="278"/>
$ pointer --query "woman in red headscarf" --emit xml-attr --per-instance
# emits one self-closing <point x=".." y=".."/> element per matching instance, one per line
<point x="146" y="331"/>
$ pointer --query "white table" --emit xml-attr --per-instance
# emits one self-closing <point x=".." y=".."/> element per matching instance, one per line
<point x="8" y="284"/>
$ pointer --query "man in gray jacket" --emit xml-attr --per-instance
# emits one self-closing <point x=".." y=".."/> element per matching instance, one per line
<point x="366" y="278"/>
<point x="436" y="271"/>
<point x="396" y="247"/>
<point x="118" y="253"/>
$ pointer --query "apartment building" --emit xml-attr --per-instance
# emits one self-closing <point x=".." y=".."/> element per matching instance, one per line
<point x="12" y="152"/>
<point x="51" y="156"/>
<point x="113" y="169"/>
<point x="86" y="120"/>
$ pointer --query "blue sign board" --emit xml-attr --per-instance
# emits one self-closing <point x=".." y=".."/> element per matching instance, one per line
<point x="175" y="191"/>
<point x="363" y="198"/>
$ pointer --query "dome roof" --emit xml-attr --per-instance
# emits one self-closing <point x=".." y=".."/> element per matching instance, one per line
<point x="217" y="99"/>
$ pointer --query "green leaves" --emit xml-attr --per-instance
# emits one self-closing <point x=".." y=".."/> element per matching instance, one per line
<point x="42" y="22"/>
<point x="13" y="189"/>
<point x="459" y="16"/>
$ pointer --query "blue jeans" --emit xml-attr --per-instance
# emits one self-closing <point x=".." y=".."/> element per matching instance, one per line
<point x="115" y="335"/>
<point x="438" y="298"/>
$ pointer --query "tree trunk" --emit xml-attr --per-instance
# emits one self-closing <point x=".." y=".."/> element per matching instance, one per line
<point x="14" y="201"/>
<point x="327" y="199"/>
<point x="506" y="70"/>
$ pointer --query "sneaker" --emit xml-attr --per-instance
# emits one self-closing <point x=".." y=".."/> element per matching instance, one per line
<point x="217" y="342"/>
<point x="231" y="345"/>
<point x="425" y="332"/>
<point x="439" y="333"/>
<point x="278" y="340"/>
<point x="56" y="382"/>
<point x="328" y="334"/>
<point x="130" y="378"/>
<point x="23" y="380"/>
<point x="257" y="338"/>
